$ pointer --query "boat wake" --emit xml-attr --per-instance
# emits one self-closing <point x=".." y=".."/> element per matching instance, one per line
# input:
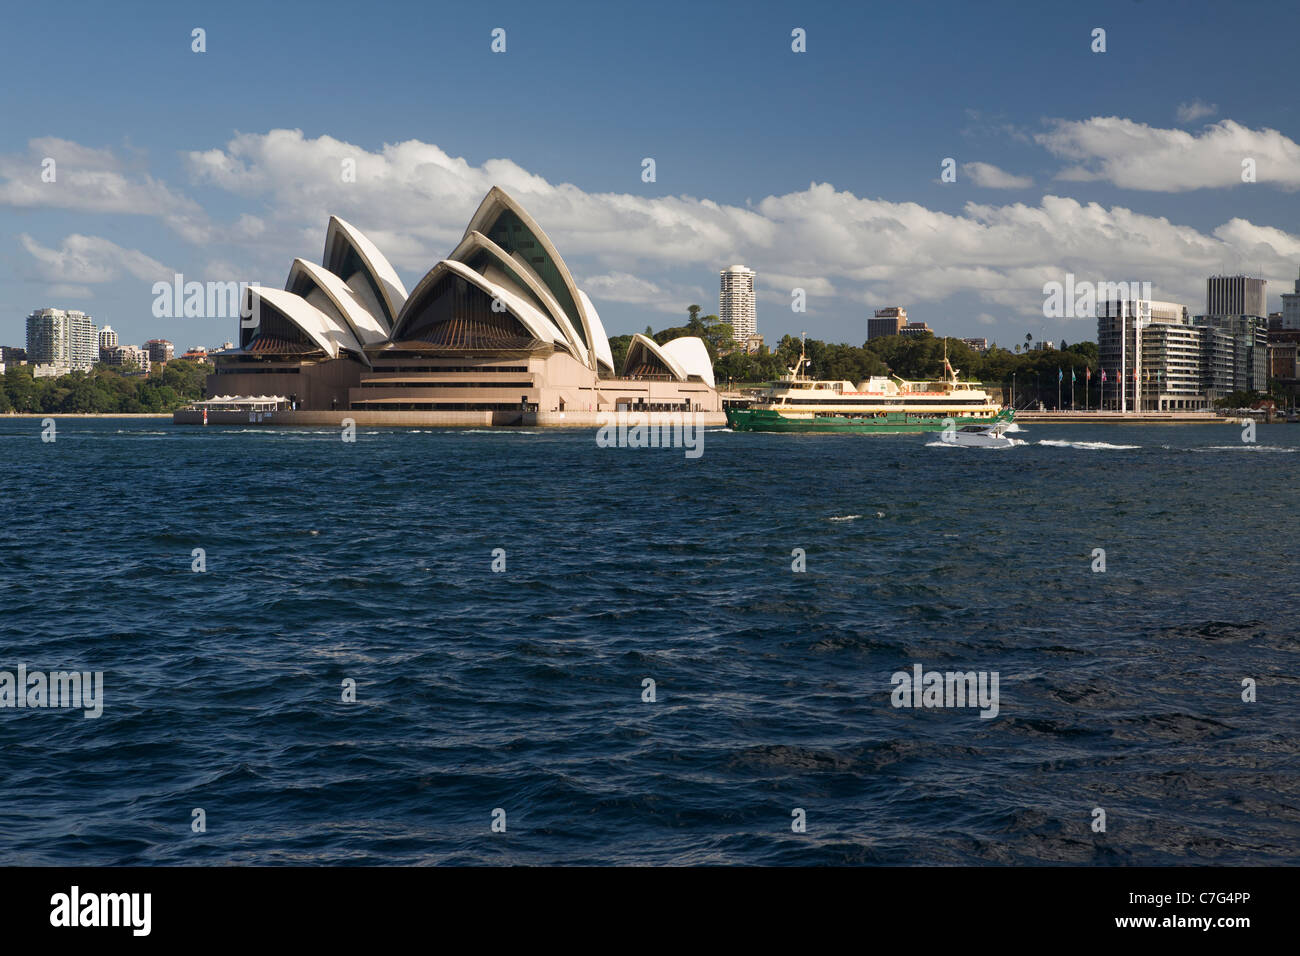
<point x="1010" y="443"/>
<point x="1244" y="446"/>
<point x="1086" y="445"/>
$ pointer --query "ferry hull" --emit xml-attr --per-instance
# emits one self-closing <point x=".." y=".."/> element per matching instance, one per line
<point x="767" y="420"/>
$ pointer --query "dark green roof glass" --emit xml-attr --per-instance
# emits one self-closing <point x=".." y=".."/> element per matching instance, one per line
<point x="509" y="232"/>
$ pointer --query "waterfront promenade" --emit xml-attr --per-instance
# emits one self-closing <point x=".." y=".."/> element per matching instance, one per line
<point x="1080" y="417"/>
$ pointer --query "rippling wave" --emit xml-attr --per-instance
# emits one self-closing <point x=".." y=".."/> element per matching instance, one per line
<point x="525" y="689"/>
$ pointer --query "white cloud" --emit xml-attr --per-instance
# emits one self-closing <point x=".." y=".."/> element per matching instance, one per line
<point x="1136" y="156"/>
<point x="851" y="253"/>
<point x="985" y="319"/>
<point x="991" y="177"/>
<point x="1191" y="112"/>
<point x="93" y="180"/>
<point x="92" y="259"/>
<point x="623" y="287"/>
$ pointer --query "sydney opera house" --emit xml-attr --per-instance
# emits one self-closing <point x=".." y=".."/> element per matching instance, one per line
<point x="496" y="333"/>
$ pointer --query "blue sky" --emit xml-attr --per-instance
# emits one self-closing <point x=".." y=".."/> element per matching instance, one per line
<point x="818" y="169"/>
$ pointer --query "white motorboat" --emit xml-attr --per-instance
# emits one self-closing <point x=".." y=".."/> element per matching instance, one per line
<point x="981" y="436"/>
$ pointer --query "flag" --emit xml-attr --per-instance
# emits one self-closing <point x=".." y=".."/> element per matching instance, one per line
<point x="1087" y="374"/>
<point x="1103" y="375"/>
<point x="1060" y="376"/>
<point x="1072" y="379"/>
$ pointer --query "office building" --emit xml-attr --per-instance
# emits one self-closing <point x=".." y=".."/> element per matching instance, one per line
<point x="1140" y="365"/>
<point x="1248" y="353"/>
<point x="888" y="321"/>
<point x="1235" y="295"/>
<point x="1291" y="309"/>
<point x="1282" y="358"/>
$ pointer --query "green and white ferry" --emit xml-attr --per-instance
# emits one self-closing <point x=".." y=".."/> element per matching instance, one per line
<point x="880" y="405"/>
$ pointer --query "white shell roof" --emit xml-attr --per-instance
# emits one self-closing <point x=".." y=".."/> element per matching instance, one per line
<point x="600" y="341"/>
<point x="692" y="355"/>
<point x="323" y="329"/>
<point x="367" y="329"/>
<point x="381" y="271"/>
<point x="650" y="345"/>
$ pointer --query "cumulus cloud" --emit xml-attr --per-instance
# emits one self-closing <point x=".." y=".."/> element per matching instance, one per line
<point x="1191" y="112"/>
<point x="414" y="200"/>
<point x="624" y="287"/>
<point x="91" y="259"/>
<point x="991" y="177"/>
<point x="1136" y="156"/>
<point x="663" y="253"/>
<point x="60" y="174"/>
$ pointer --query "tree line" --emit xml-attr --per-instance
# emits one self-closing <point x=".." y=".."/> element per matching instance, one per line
<point x="103" y="390"/>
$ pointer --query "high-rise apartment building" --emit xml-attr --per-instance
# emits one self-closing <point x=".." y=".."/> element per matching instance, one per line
<point x="128" y="356"/>
<point x="64" y="340"/>
<point x="160" y="351"/>
<point x="107" y="339"/>
<point x="736" y="304"/>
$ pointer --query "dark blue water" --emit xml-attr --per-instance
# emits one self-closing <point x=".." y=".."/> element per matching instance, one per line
<point x="522" y="690"/>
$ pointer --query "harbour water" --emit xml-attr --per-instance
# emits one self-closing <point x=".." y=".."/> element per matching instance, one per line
<point x="524" y="690"/>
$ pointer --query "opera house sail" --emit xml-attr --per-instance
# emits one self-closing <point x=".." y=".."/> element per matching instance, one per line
<point x="496" y="333"/>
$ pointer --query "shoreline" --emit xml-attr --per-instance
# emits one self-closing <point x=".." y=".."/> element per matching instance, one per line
<point x="1139" y="418"/>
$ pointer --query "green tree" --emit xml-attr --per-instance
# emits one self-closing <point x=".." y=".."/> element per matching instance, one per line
<point x="618" y="347"/>
<point x="21" y="388"/>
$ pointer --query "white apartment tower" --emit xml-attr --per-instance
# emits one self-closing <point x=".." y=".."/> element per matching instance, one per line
<point x="65" y="340"/>
<point x="107" y="338"/>
<point x="736" y="304"/>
